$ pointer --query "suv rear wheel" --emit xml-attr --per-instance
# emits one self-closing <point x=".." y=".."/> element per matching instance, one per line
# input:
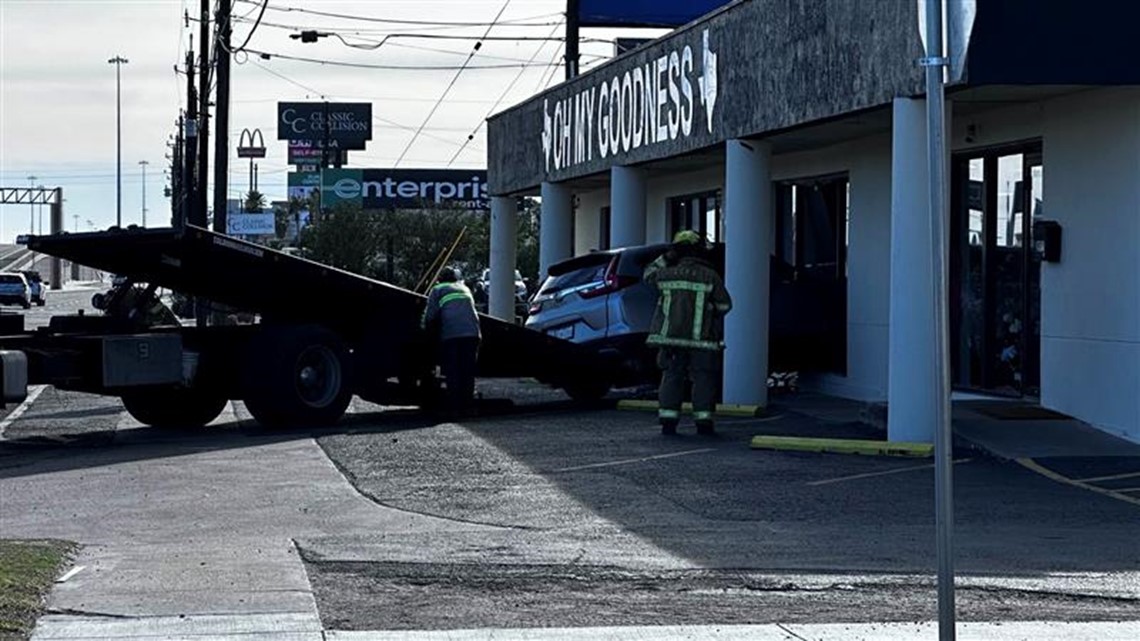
<point x="588" y="391"/>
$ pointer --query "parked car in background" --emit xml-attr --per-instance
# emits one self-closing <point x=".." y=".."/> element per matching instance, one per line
<point x="481" y="289"/>
<point x="37" y="290"/>
<point x="14" y="290"/>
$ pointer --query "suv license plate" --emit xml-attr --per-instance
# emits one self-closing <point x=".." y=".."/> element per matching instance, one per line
<point x="566" y="333"/>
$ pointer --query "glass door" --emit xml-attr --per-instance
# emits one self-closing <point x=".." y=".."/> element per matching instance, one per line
<point x="995" y="274"/>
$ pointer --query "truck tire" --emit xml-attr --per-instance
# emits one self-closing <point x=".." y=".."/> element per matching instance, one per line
<point x="174" y="407"/>
<point x="297" y="377"/>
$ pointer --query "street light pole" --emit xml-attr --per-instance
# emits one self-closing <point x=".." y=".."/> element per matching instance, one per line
<point x="119" y="61"/>
<point x="31" y="206"/>
<point x="40" y="214"/>
<point x="143" y="164"/>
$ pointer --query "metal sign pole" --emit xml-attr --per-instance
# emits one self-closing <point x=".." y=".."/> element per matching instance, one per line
<point x="935" y="63"/>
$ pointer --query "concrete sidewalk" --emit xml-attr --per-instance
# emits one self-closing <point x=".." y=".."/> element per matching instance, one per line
<point x="1005" y="428"/>
<point x="292" y="628"/>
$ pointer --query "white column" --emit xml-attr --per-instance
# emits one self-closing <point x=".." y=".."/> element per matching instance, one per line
<point x="911" y="395"/>
<point x="748" y="216"/>
<point x="627" y="206"/>
<point x="556" y="231"/>
<point x="504" y="250"/>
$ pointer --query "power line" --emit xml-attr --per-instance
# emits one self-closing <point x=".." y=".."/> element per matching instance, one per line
<point x="361" y="65"/>
<point x="449" y="23"/>
<point x="451" y="84"/>
<point x="264" y="5"/>
<point x="376" y="44"/>
<point x="502" y="97"/>
<point x="374" y="117"/>
<point x="384" y="30"/>
<point x="544" y="81"/>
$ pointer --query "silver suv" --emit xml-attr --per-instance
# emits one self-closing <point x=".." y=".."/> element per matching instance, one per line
<point x="600" y="300"/>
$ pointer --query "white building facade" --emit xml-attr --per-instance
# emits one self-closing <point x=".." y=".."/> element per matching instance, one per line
<point x="796" y="137"/>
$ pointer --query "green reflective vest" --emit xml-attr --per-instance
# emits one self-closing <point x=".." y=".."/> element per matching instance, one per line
<point x="691" y="305"/>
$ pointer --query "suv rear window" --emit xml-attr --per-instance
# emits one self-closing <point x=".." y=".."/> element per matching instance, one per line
<point x="576" y="272"/>
<point x="11" y="279"/>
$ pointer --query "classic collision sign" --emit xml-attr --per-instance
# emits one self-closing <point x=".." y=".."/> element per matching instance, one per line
<point x="643" y="106"/>
<point x="349" y="123"/>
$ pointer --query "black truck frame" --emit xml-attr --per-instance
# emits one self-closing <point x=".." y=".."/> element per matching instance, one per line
<point x="298" y="365"/>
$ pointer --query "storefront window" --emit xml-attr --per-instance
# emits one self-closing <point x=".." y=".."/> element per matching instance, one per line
<point x="811" y="226"/>
<point x="699" y="212"/>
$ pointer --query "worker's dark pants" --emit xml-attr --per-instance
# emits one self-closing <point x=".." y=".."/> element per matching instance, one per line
<point x="457" y="360"/>
<point x="679" y="366"/>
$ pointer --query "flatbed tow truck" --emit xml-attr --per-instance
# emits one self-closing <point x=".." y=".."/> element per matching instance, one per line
<point x="299" y="365"/>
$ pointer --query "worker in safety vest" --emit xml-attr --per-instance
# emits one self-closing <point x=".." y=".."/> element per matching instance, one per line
<point x="688" y="330"/>
<point x="450" y="315"/>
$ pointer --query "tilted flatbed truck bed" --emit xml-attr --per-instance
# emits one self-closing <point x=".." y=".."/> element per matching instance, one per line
<point x="324" y="334"/>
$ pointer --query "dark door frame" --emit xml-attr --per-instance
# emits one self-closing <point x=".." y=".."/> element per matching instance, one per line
<point x="1032" y="155"/>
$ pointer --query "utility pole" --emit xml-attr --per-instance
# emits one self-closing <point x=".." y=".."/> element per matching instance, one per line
<point x="177" y="176"/>
<point x="118" y="61"/>
<point x="572" y="23"/>
<point x="188" y="208"/>
<point x="222" y="119"/>
<point x="203" y="115"/>
<point x="143" y="164"/>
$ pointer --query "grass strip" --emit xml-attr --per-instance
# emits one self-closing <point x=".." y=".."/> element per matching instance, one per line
<point x="27" y="571"/>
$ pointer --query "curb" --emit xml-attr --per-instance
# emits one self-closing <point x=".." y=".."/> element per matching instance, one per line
<point x="687" y="408"/>
<point x="841" y="446"/>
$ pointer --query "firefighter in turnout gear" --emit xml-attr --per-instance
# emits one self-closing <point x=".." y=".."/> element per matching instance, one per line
<point x="450" y="316"/>
<point x="687" y="329"/>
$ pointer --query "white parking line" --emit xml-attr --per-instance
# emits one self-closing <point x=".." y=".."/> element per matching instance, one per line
<point x="33" y="393"/>
<point x="1111" y="477"/>
<point x="70" y="573"/>
<point x="634" y="460"/>
<point x="868" y="475"/>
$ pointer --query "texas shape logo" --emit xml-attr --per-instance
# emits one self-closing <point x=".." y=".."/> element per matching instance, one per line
<point x="547" y="133"/>
<point x="707" y="80"/>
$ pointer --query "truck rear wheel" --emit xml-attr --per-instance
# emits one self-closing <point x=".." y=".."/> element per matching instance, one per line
<point x="174" y="407"/>
<point x="297" y="377"/>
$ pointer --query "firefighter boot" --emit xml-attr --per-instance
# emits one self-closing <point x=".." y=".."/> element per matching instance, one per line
<point x="705" y="428"/>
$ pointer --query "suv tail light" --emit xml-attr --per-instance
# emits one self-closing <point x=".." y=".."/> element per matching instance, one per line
<point x="611" y="282"/>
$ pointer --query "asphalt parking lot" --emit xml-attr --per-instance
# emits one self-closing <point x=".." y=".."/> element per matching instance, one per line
<point x="545" y="516"/>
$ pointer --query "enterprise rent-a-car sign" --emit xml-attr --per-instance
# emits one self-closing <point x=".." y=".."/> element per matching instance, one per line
<point x="405" y="188"/>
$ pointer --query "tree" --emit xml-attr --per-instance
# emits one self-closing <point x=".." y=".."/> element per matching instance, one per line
<point x="254" y="201"/>
<point x="401" y="246"/>
<point x="346" y="238"/>
<point x="527" y="257"/>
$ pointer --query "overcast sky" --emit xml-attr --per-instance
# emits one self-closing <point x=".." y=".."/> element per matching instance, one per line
<point x="57" y="90"/>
